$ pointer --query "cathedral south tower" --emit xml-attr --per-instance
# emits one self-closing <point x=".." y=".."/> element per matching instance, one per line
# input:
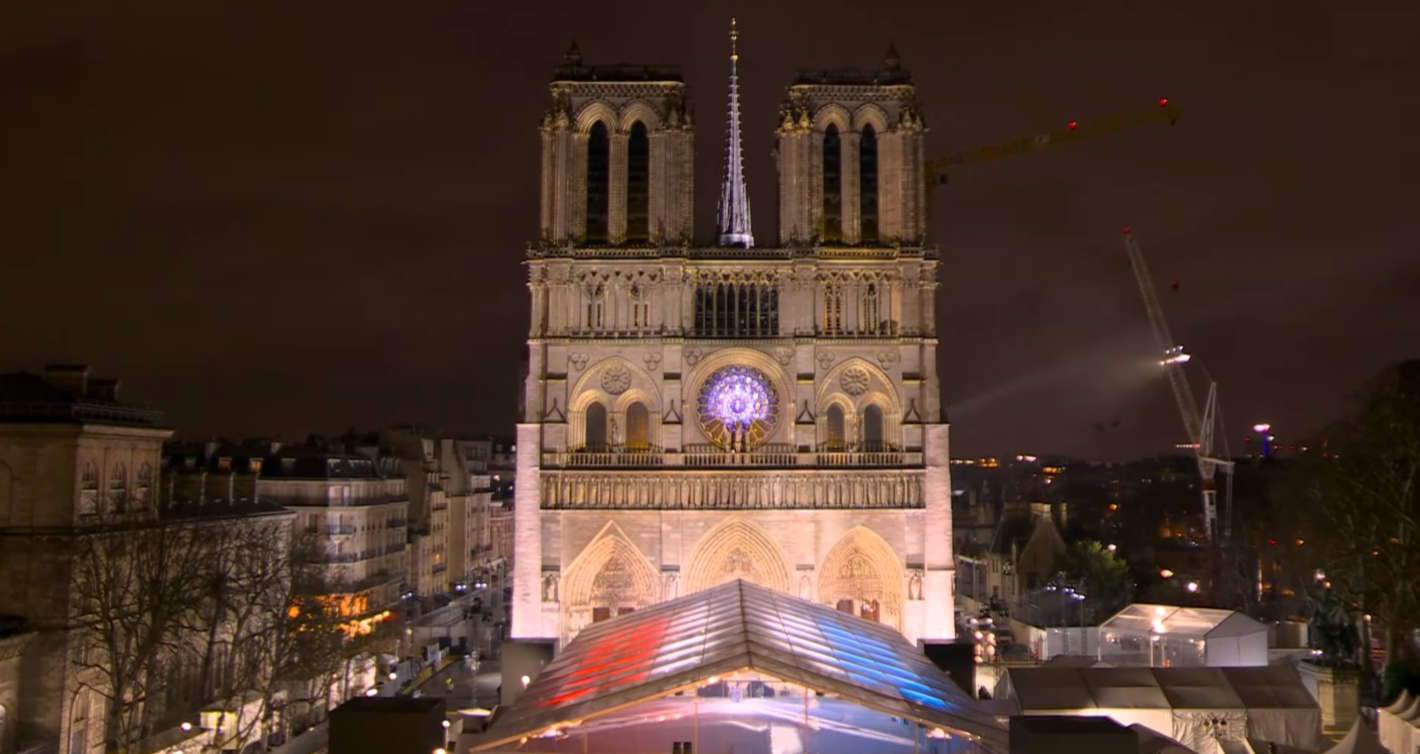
<point x="699" y="414"/>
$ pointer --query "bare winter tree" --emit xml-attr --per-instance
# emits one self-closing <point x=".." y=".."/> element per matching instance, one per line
<point x="134" y="589"/>
<point x="235" y="609"/>
<point x="1365" y="490"/>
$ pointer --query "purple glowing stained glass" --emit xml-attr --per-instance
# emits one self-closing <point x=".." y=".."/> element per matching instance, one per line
<point x="737" y="405"/>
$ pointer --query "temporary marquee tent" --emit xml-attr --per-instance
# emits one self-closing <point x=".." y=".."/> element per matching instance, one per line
<point x="1399" y="724"/>
<point x="679" y="648"/>
<point x="1196" y="706"/>
<point x="1171" y="636"/>
<point x="1359" y="740"/>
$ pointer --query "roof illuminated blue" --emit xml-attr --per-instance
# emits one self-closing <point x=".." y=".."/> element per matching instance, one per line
<point x="737" y="626"/>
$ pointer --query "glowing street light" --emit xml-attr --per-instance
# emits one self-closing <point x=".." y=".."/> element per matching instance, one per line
<point x="1192" y="586"/>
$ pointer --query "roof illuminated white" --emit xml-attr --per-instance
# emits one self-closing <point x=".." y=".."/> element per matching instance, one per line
<point x="1196" y="622"/>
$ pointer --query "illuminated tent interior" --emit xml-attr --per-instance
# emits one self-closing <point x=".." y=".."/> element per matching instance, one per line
<point x="744" y="666"/>
<point x="1171" y="636"/>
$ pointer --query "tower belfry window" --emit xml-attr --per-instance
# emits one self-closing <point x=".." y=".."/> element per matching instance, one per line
<point x="598" y="183"/>
<point x="832" y="185"/>
<point x="638" y="184"/>
<point x="868" y="184"/>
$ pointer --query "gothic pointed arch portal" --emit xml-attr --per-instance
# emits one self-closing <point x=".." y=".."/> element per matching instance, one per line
<point x="609" y="577"/>
<point x="736" y="549"/>
<point x="863" y="576"/>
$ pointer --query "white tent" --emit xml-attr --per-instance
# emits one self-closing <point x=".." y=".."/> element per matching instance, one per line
<point x="1399" y="724"/>
<point x="1171" y="636"/>
<point x="1199" y="707"/>
<point x="1388" y="722"/>
<point x="1359" y="740"/>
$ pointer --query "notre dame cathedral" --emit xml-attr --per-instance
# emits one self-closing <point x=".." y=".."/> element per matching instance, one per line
<point x="760" y="411"/>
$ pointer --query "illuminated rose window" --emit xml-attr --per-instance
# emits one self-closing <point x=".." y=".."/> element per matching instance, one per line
<point x="738" y="407"/>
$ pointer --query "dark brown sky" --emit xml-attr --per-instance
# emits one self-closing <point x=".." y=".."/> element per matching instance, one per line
<point x="278" y="217"/>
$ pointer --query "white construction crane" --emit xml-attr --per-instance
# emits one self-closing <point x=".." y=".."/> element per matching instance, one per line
<point x="1200" y="425"/>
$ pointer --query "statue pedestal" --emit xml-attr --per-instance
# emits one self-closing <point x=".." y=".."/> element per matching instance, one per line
<point x="1337" y="692"/>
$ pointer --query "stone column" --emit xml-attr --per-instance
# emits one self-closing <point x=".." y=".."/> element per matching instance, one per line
<point x="616" y="214"/>
<point x="938" y="623"/>
<point x="891" y="183"/>
<point x="659" y="187"/>
<point x="814" y="190"/>
<point x="549" y="184"/>
<point x="527" y="539"/>
<point x="852" y="208"/>
<point x="577" y="189"/>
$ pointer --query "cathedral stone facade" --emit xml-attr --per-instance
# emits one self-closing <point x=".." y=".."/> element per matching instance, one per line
<point x="699" y="414"/>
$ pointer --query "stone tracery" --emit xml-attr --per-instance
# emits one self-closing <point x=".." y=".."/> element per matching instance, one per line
<point x="736" y="549"/>
<point x="862" y="575"/>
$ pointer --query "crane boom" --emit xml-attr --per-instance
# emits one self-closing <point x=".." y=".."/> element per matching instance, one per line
<point x="1072" y="132"/>
<point x="1172" y="358"/>
<point x="1199" y="425"/>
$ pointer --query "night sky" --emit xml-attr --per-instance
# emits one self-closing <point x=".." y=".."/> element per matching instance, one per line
<point x="280" y="218"/>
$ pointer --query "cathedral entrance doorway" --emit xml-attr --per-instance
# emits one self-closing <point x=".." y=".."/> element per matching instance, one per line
<point x="609" y="578"/>
<point x="861" y="576"/>
<point x="736" y="549"/>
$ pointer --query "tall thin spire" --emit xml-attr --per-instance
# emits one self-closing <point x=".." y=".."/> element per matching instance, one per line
<point x="733" y="217"/>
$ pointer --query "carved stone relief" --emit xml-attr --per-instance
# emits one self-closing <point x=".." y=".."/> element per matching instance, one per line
<point x="576" y="362"/>
<point x="914" y="585"/>
<point x="616" y="379"/>
<point x="854" y="380"/>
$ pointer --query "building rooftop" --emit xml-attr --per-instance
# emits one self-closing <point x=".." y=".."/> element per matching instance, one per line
<point x="573" y="69"/>
<point x="65" y="394"/>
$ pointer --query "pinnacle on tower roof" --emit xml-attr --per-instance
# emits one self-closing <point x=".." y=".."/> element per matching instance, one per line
<point x="892" y="61"/>
<point x="733" y="218"/>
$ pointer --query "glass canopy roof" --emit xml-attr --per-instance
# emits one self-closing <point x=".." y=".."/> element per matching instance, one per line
<point x="680" y="644"/>
<point x="1196" y="622"/>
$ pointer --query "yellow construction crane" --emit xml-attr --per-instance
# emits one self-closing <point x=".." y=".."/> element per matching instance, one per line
<point x="1162" y="111"/>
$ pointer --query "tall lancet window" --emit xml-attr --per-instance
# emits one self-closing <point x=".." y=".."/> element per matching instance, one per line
<point x="598" y="183"/>
<point x="832" y="185"/>
<point x="638" y="184"/>
<point x="868" y="184"/>
<point x="596" y="434"/>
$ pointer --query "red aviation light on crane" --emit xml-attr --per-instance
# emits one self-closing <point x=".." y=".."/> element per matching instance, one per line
<point x="1072" y="125"/>
<point x="1126" y="231"/>
<point x="1163" y="102"/>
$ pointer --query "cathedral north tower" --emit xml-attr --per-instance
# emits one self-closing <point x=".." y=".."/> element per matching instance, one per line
<point x="697" y="414"/>
<point x="617" y="162"/>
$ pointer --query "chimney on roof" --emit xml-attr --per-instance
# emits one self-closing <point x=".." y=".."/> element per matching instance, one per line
<point x="71" y="377"/>
<point x="103" y="390"/>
